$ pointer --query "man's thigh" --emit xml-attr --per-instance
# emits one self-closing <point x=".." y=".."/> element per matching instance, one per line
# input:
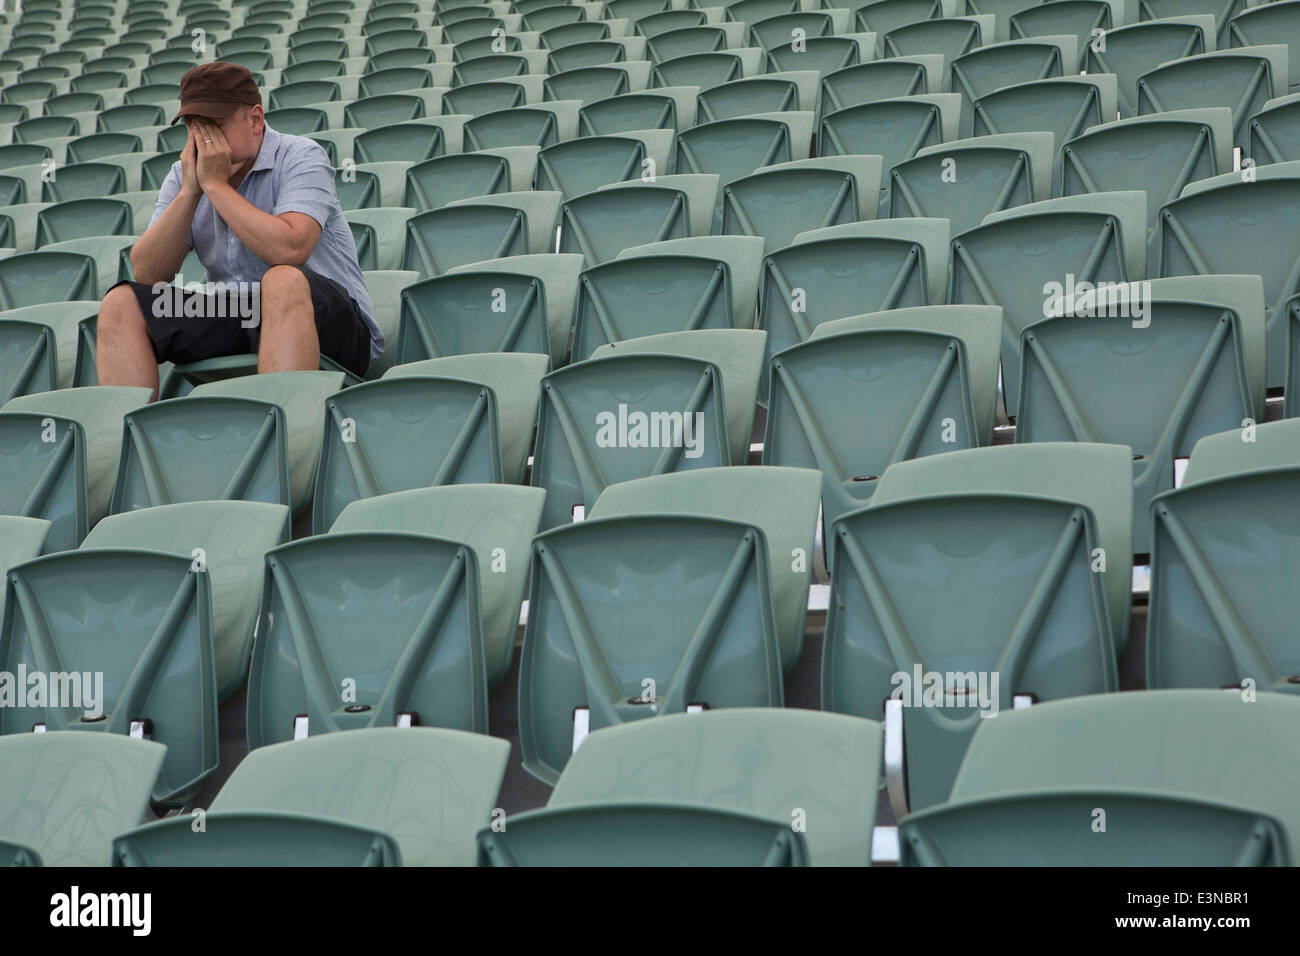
<point x="189" y="325"/>
<point x="340" y="329"/>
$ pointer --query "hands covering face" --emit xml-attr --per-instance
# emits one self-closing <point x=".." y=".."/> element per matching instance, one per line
<point x="212" y="165"/>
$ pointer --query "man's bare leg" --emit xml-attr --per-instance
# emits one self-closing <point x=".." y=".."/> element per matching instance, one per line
<point x="123" y="350"/>
<point x="289" y="341"/>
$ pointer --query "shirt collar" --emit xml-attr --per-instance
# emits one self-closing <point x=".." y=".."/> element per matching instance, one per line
<point x="266" y="155"/>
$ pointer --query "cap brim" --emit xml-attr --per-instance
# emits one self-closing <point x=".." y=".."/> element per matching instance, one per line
<point x="208" y="110"/>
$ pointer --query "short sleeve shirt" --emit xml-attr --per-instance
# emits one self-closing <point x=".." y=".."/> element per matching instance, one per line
<point x="290" y="174"/>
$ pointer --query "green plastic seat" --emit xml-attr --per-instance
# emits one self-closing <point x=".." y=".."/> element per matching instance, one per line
<point x="143" y="620"/>
<point x="437" y="182"/>
<point x="932" y="388"/>
<point x="297" y="120"/>
<point x="130" y="116"/>
<point x="542" y="125"/>
<point x="405" y="142"/>
<point x="84" y="181"/>
<point x="21" y="539"/>
<point x="1242" y="79"/>
<point x="248" y="438"/>
<point x="378" y="111"/>
<point x="1192" y="364"/>
<point x="423" y="793"/>
<point x="1142" y="828"/>
<point x="1158" y="154"/>
<point x="398" y="79"/>
<point x="950" y="36"/>
<point x="702" y="70"/>
<point x="567" y="34"/>
<point x="1016" y="257"/>
<point x="988" y="68"/>
<point x="515" y="304"/>
<point x="1132" y="50"/>
<point x="43" y="129"/>
<point x="673" y="401"/>
<point x="497" y="521"/>
<point x="581" y="165"/>
<point x="88" y="149"/>
<point x="635" y="834"/>
<point x="423" y="665"/>
<point x="687" y="41"/>
<point x="825" y="54"/>
<point x="1275" y="131"/>
<point x="1076" y="18"/>
<point x="30" y="356"/>
<point x="486" y="227"/>
<point x="883" y="16"/>
<point x="593" y="53"/>
<point x="967" y="179"/>
<point x="706" y="759"/>
<point x="779" y="201"/>
<point x="1254" y="227"/>
<point x="771" y="32"/>
<point x="772" y="93"/>
<point x="1047" y="624"/>
<point x="475" y="99"/>
<point x="1216" y="543"/>
<point x="83" y="218"/>
<point x="673" y="286"/>
<point x="356" y="189"/>
<point x="461" y="419"/>
<point x="603" y="223"/>
<point x="379" y="234"/>
<point x="60" y="451"/>
<point x="1268" y="23"/>
<point x="67" y="795"/>
<point x="304" y="93"/>
<point x="24" y="154"/>
<point x="666" y="108"/>
<point x="880" y="80"/>
<point x="735" y="148"/>
<point x="781" y="501"/>
<point x="589" y="660"/>
<point x="228" y="539"/>
<point x="104" y="251"/>
<point x="839" y="271"/>
<point x="1184" y="742"/>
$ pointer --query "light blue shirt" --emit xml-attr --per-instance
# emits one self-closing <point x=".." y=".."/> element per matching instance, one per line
<point x="290" y="174"/>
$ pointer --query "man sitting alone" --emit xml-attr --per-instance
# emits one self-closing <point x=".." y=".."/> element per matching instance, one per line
<point x="259" y="208"/>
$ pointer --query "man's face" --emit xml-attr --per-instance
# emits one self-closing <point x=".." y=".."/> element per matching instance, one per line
<point x="243" y="131"/>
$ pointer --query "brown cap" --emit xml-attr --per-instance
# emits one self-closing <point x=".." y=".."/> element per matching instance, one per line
<point x="216" y="90"/>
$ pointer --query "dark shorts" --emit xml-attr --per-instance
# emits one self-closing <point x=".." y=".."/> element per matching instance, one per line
<point x="188" y="326"/>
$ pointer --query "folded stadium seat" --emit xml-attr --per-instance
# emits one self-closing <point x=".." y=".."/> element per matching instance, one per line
<point x="838" y="271"/>
<point x="24" y="154"/>
<point x="411" y="142"/>
<point x="480" y="228"/>
<point x="596" y="53"/>
<point x="497" y="521"/>
<point x="592" y="83"/>
<point x="81" y="218"/>
<point x="470" y="27"/>
<point x="31" y="94"/>
<point x="97" y="146"/>
<point x="801" y="25"/>
<point x="130" y="116"/>
<point x="588" y="662"/>
<point x="671" y="108"/>
<point x="580" y="165"/>
<point x="1192" y="364"/>
<point x="31" y="278"/>
<point x="75" y="104"/>
<point x="298" y="120"/>
<point x="1178" y="742"/>
<point x="402" y="79"/>
<point x="779" y="201"/>
<point x="1078" y="18"/>
<point x="645" y="834"/>
<point x="38" y="346"/>
<point x="881" y="80"/>
<point x="1158" y="154"/>
<point x="781" y="501"/>
<point x="378" y="796"/>
<point x="987" y="68"/>
<point x="542" y="124"/>
<point x="21" y="539"/>
<point x="1216" y="541"/>
<point x="655" y="24"/>
<point x="376" y="111"/>
<point x="1130" y="51"/>
<point x="153" y="173"/>
<point x="705" y="759"/>
<point x="678" y="285"/>
<point x="498" y="66"/>
<point x="630" y="395"/>
<point x="560" y="35"/>
<point x="1275" y="131"/>
<point x="893" y="128"/>
<point x="105" y="251"/>
<point x="1015" y="259"/>
<point x="513" y="304"/>
<point x="146" y="626"/>
<point x="1141" y="828"/>
<point x="933" y="384"/>
<point x="225" y="539"/>
<point x="474" y="99"/>
<point x="13" y="185"/>
<point x="319" y="94"/>
<point x="386" y="290"/>
<point x="379" y="235"/>
<point x="424" y="665"/>
<point x="321" y="70"/>
<point x="822" y="53"/>
<point x="768" y="93"/>
<point x="688" y="41"/>
<point x="45" y="129"/>
<point x="1242" y="79"/>
<point x="248" y="438"/>
<point x="950" y="36"/>
<point x="1047" y="624"/>
<point x="460" y="419"/>
<point x="357" y="189"/>
<point x="602" y="223"/>
<point x="1254" y="228"/>
<point x="66" y="795"/>
<point x="439" y="181"/>
<point x="191" y="269"/>
<point x="967" y="179"/>
<point x="708" y="69"/>
<point x="1269" y="23"/>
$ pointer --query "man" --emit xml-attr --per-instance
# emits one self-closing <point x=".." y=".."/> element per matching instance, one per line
<point x="260" y="210"/>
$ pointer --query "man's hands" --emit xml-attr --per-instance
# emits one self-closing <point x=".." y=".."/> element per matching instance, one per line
<point x="212" y="167"/>
<point x="189" y="159"/>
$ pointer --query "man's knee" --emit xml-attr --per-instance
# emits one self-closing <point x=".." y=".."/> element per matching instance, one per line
<point x="285" y="284"/>
<point x="120" y="309"/>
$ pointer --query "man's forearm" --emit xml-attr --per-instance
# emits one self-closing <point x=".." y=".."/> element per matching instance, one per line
<point x="268" y="237"/>
<point x="158" y="254"/>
